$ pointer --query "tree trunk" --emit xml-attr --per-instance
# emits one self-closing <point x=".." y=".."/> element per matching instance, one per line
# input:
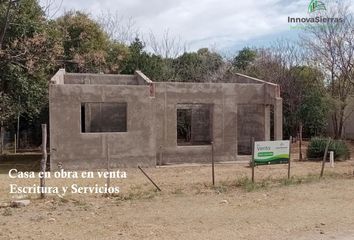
<point x="341" y="122"/>
<point x="335" y="125"/>
<point x="338" y="122"/>
<point x="300" y="141"/>
<point x="44" y="158"/>
<point x="7" y="15"/>
<point x="2" y="131"/>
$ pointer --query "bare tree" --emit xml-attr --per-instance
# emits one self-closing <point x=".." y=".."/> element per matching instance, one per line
<point x="331" y="47"/>
<point x="118" y="27"/>
<point x="52" y="7"/>
<point x="167" y="46"/>
<point x="288" y="52"/>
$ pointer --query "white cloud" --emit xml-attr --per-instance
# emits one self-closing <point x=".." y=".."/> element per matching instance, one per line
<point x="201" y="23"/>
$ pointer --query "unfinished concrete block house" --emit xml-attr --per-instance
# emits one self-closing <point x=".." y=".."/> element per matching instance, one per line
<point x="132" y="120"/>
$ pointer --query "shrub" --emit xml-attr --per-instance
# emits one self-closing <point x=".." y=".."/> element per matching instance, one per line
<point x="317" y="148"/>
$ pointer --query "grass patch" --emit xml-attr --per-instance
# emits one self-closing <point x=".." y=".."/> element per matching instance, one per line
<point x="244" y="183"/>
<point x="311" y="178"/>
<point x="298" y="180"/>
<point x="247" y="185"/>
<point x="136" y="194"/>
<point x="221" y="188"/>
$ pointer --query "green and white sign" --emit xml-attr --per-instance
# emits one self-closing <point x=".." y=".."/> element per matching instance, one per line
<point x="271" y="152"/>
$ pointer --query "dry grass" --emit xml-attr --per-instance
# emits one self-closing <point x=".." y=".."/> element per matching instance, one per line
<point x="189" y="207"/>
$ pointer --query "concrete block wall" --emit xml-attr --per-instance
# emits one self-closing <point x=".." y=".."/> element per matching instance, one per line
<point x="151" y="135"/>
<point x="168" y="96"/>
<point x="73" y="149"/>
<point x="225" y="99"/>
<point x="250" y="124"/>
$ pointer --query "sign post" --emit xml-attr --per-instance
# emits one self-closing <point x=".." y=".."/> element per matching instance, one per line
<point x="271" y="152"/>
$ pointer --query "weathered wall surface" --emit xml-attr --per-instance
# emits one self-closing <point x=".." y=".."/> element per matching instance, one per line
<point x="168" y="95"/>
<point x="151" y="135"/>
<point x="100" y="79"/>
<point x="225" y="99"/>
<point x="76" y="150"/>
<point x="251" y="123"/>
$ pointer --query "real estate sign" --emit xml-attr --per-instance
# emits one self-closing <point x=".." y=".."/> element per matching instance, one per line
<point x="271" y="152"/>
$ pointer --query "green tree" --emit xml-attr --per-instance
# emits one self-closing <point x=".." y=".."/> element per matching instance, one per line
<point x="7" y="108"/>
<point x="27" y="58"/>
<point x="150" y="64"/>
<point x="330" y="47"/>
<point x="200" y="66"/>
<point x="135" y="59"/>
<point x="116" y="54"/>
<point x="305" y="102"/>
<point x="87" y="47"/>
<point x="312" y="104"/>
<point x="244" y="58"/>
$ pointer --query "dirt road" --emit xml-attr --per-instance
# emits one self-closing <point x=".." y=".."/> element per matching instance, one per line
<point x="189" y="208"/>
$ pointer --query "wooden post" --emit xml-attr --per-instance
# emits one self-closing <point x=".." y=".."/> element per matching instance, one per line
<point x="212" y="163"/>
<point x="331" y="158"/>
<point x="18" y="126"/>
<point x="44" y="158"/>
<point x="15" y="143"/>
<point x="2" y="129"/>
<point x="252" y="160"/>
<point x="325" y="157"/>
<point x="300" y="142"/>
<point x="18" y="131"/>
<point x="108" y="166"/>
<point x="157" y="187"/>
<point x="289" y="163"/>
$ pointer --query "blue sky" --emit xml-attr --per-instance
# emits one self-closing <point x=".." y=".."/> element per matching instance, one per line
<point x="224" y="25"/>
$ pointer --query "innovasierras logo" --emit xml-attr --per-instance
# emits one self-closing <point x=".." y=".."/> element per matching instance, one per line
<point x="315" y="6"/>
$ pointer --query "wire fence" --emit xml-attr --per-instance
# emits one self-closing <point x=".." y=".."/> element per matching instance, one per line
<point x="11" y="143"/>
